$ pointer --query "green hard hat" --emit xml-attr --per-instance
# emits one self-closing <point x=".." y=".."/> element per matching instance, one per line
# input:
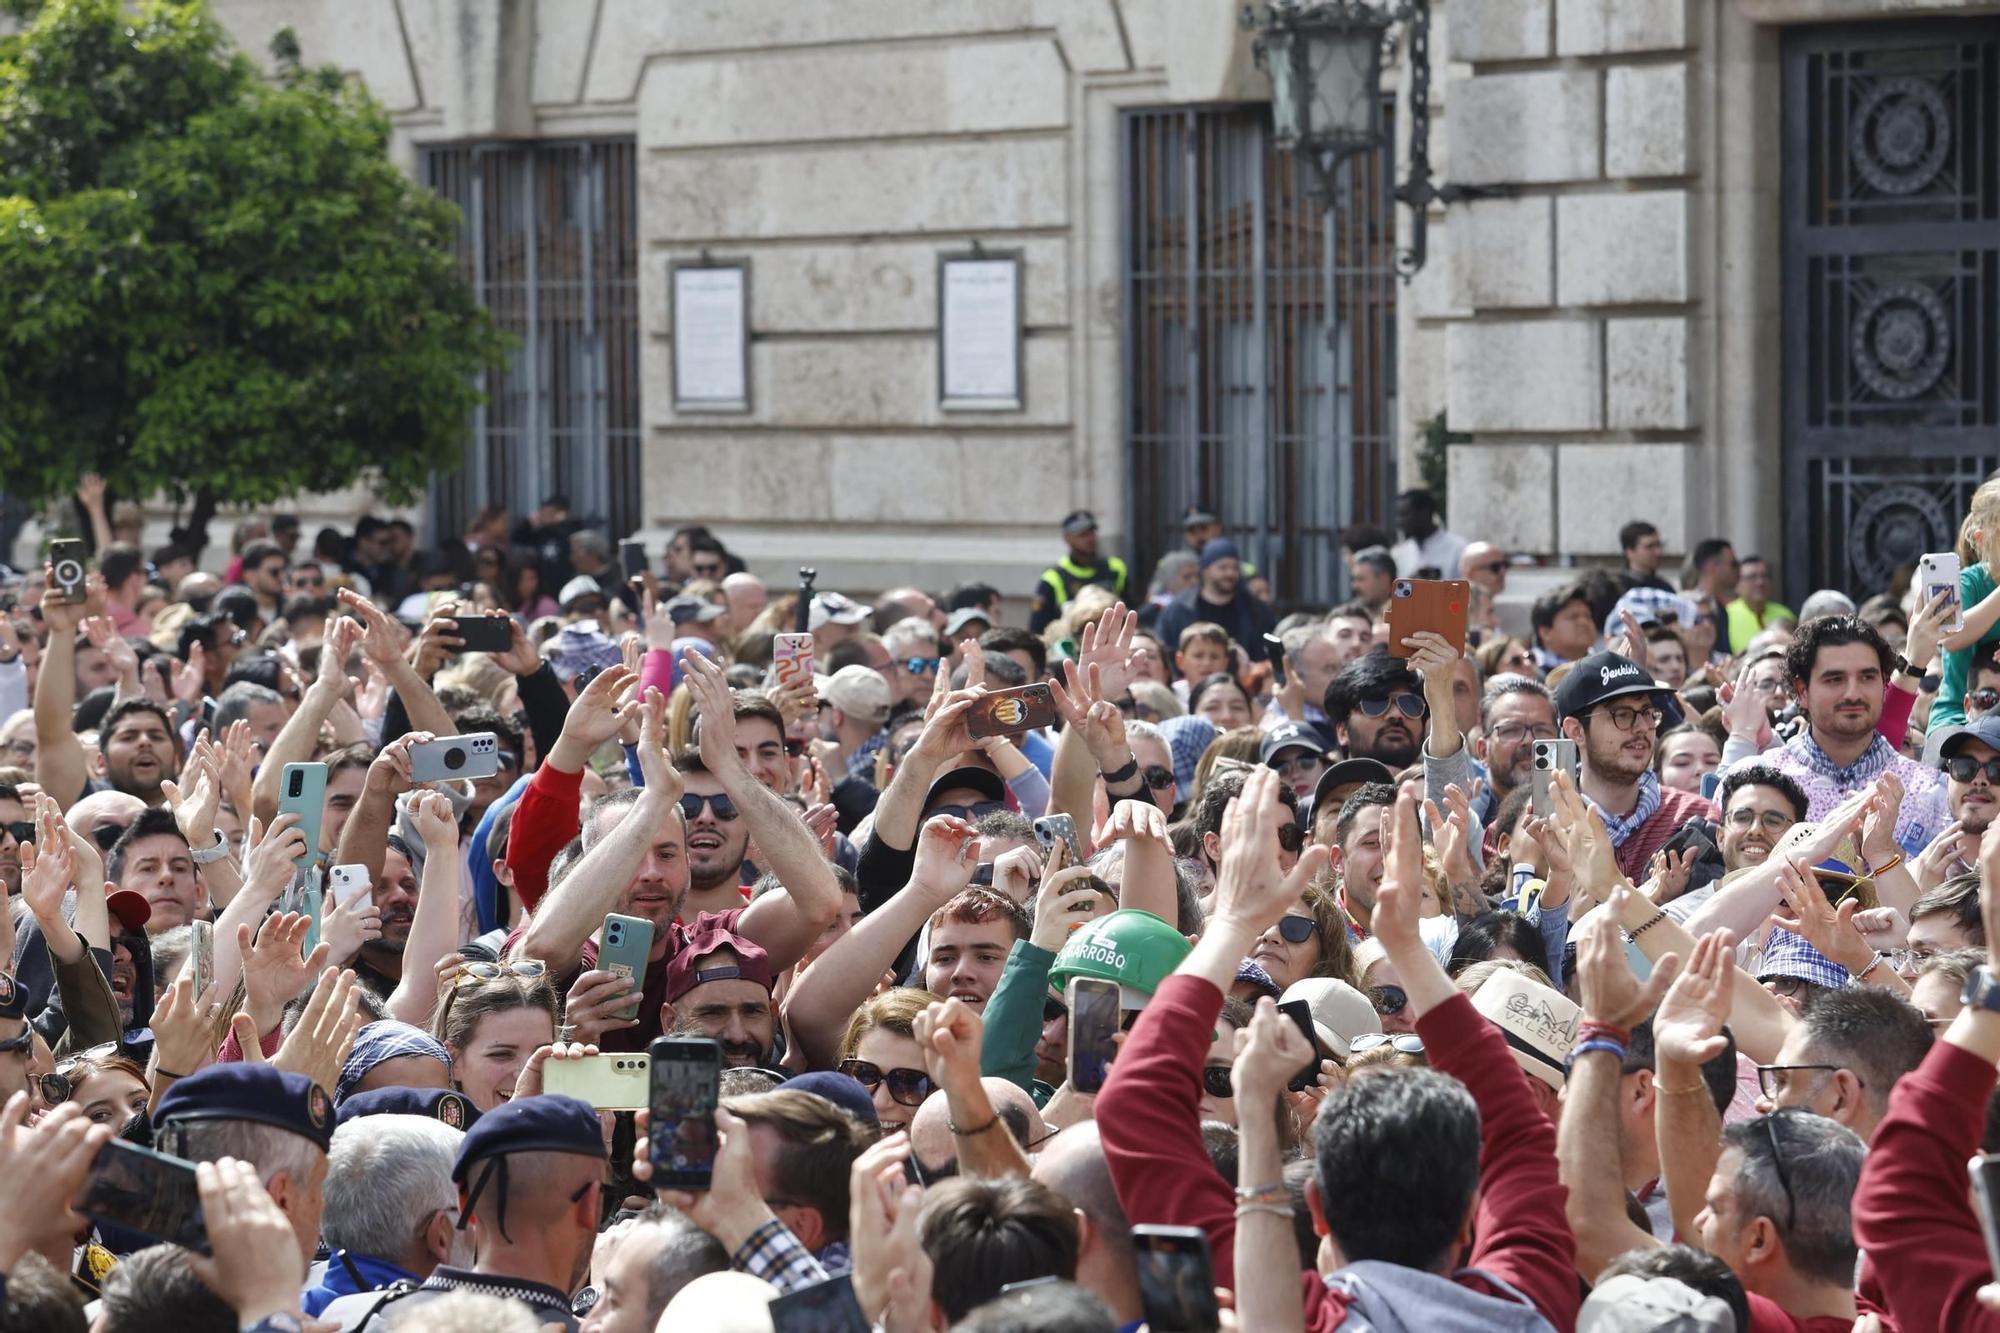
<point x="1133" y="948"/>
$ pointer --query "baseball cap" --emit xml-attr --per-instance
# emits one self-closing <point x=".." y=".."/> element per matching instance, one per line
<point x="1602" y="676"/>
<point x="830" y="608"/>
<point x="1349" y="771"/>
<point x="579" y="587"/>
<point x="1340" y="1013"/>
<point x="694" y="610"/>
<point x="1985" y="727"/>
<point x="842" y="1090"/>
<point x="982" y="780"/>
<point x="966" y="615"/>
<point x="685" y="972"/>
<point x="131" y="909"/>
<point x="1538" y="1022"/>
<point x="1291" y="736"/>
<point x="1078" y="521"/>
<point x="856" y="690"/>
<point x="1197" y="517"/>
<point x="1630" y="1303"/>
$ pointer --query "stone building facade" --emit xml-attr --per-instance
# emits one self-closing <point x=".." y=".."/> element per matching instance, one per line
<point x="1624" y="332"/>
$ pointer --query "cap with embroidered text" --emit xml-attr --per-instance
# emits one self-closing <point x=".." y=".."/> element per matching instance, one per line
<point x="1603" y="676"/>
<point x="257" y="1093"/>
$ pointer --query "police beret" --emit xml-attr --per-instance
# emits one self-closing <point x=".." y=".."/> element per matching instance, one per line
<point x="451" y="1109"/>
<point x="253" y="1092"/>
<point x="548" y="1123"/>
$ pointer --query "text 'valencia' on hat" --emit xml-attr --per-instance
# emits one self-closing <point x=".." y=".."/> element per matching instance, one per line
<point x="1599" y="677"/>
<point x="1538" y="1022"/>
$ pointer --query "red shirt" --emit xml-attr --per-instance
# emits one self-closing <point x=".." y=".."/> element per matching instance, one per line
<point x="546" y="817"/>
<point x="1149" y="1119"/>
<point x="1766" y="1317"/>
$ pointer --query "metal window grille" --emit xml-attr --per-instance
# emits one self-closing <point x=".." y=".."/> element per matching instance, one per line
<point x="550" y="244"/>
<point x="1260" y="346"/>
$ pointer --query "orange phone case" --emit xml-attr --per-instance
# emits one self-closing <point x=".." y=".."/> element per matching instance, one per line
<point x="1439" y="606"/>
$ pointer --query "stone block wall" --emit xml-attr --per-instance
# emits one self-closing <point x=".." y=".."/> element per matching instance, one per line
<point x="1574" y="297"/>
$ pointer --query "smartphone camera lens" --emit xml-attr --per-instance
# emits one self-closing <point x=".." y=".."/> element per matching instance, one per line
<point x="298" y="784"/>
<point x="1403" y="588"/>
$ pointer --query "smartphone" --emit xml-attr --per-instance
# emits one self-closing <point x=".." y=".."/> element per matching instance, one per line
<point x="792" y="664"/>
<point x="632" y="557"/>
<point x="613" y="1081"/>
<point x="1274" y="653"/>
<point x="1438" y="605"/>
<point x="486" y="634"/>
<point x="302" y="792"/>
<point x="1011" y="712"/>
<point x="201" y="955"/>
<point x="68" y="568"/>
<point x="473" y="756"/>
<point x="826" y="1306"/>
<point x="1985" y="1172"/>
<point x="1711" y="783"/>
<point x="686" y="1088"/>
<point x="1938" y="573"/>
<point x="626" y="949"/>
<point x="145" y="1191"/>
<point x="1550" y="757"/>
<point x="982" y="875"/>
<point x="1051" y="827"/>
<point x="350" y="883"/>
<point x="1301" y="1014"/>
<point x="1093" y="1021"/>
<point x="1176" y="1279"/>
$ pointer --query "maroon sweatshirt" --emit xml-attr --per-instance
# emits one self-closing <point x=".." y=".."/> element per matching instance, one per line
<point x="1149" y="1120"/>
<point x="1912" y="1213"/>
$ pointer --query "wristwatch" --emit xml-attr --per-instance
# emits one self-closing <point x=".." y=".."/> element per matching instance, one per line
<point x="1982" y="989"/>
<point x="210" y="855"/>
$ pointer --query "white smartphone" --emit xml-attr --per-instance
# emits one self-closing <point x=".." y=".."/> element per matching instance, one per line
<point x="1938" y="573"/>
<point x="350" y="882"/>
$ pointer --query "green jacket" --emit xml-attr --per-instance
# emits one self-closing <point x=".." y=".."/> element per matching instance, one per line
<point x="1014" y="1020"/>
<point x="1975" y="584"/>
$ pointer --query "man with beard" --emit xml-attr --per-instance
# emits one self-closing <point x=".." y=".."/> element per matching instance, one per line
<point x="1839" y="668"/>
<point x="380" y="963"/>
<point x="1376" y="705"/>
<point x="1220" y="599"/>
<point x="14" y="830"/>
<point x="719" y="987"/>
<point x="1514" y="713"/>
<point x="1972" y="797"/>
<point x="1611" y="708"/>
<point x="637" y="862"/>
<point x="718" y="840"/>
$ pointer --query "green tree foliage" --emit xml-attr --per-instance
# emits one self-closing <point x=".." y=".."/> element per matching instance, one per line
<point x="216" y="284"/>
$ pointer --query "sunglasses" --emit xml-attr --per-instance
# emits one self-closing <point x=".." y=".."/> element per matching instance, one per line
<point x="19" y="1043"/>
<point x="1216" y="1081"/>
<point x="1409" y="705"/>
<point x="703" y="571"/>
<point x="530" y="968"/>
<point x="724" y="808"/>
<point x="920" y="666"/>
<point x="55" y="1088"/>
<point x="106" y="836"/>
<point x="907" y="1087"/>
<point x="1388" y="1000"/>
<point x="589" y="606"/>
<point x="1963" y="768"/>
<point x="22" y="832"/>
<point x="971" y="814"/>
<point x="1295" y="929"/>
<point x="1157" y="777"/>
<point x="1985" y="699"/>
<point x="1409" y="1043"/>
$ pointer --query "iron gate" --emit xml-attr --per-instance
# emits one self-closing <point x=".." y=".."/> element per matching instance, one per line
<point x="1260" y="344"/>
<point x="1892" y="293"/>
<point x="550" y="245"/>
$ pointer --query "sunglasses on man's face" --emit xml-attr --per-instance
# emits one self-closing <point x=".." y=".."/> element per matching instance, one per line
<point x="106" y="836"/>
<point x="1409" y="705"/>
<point x="708" y="571"/>
<point x="971" y="814"/>
<point x="1157" y="777"/>
<point x="1216" y="1081"/>
<point x="1964" y="768"/>
<point x="907" y="1087"/>
<point x="724" y="808"/>
<point x="22" y="832"/>
<point x="920" y="666"/>
<point x="1388" y="1000"/>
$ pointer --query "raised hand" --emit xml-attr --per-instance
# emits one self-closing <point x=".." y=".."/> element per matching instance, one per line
<point x="382" y="638"/>
<point x="528" y="1083"/>
<point x="191" y="676"/>
<point x="104" y="636"/>
<point x="320" y="1043"/>
<point x="1743" y="711"/>
<point x="1687" y="1027"/>
<point x="947" y="854"/>
<point x="66" y="617"/>
<point x="717" y="730"/>
<point x="274" y="855"/>
<point x="1592" y="855"/>
<point x="256" y="1265"/>
<point x="1106" y="647"/>
<point x="1399" y="900"/>
<point x="437" y="641"/>
<point x="1268" y="1053"/>
<point x="1667" y="875"/>
<point x="184" y="1027"/>
<point x="1807" y="914"/>
<point x="275" y="970"/>
<point x="892" y="1273"/>
<point x="48" y="864"/>
<point x="1611" y="994"/>
<point x="1017" y="870"/>
<point x="348" y="929"/>
<point x="431" y="812"/>
<point x="664" y="783"/>
<point x="1135" y="819"/>
<point x="522" y="657"/>
<point x="1067" y="900"/>
<point x="595" y="1003"/>
<point x="1252" y="890"/>
<point x="45" y="1166"/>
<point x="1878" y="826"/>
<point x="1920" y="646"/>
<point x="1083" y="705"/>
<point x="338" y="640"/>
<point x="195" y="805"/>
<point x="949" y="1035"/>
<point x="389" y="773"/>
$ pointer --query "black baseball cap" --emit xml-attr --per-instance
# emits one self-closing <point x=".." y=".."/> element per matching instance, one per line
<point x="1291" y="736"/>
<point x="1602" y="676"/>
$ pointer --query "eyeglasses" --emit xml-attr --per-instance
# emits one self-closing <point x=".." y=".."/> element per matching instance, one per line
<point x="907" y="1087"/>
<point x="1788" y="988"/>
<point x="1305" y="763"/>
<point x="532" y="969"/>
<point x="1157" y="777"/>
<point x="919" y="666"/>
<point x="1778" y="1165"/>
<point x="1964" y="768"/>
<point x="971" y="814"/>
<point x="1773" y="1080"/>
<point x="1774" y="821"/>
<point x="1216" y="1081"/>
<point x="1409" y="705"/>
<point x="1388" y="1000"/>
<point x="1409" y="1043"/>
<point x="1900" y="960"/>
<point x="708" y="571"/>
<point x="1627" y="718"/>
<point x="1296" y="929"/>
<point x="1512" y="733"/>
<point x="724" y="808"/>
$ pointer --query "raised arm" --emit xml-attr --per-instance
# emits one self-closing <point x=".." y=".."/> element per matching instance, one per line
<point x="1149" y="882"/>
<point x="949" y="1035"/>
<point x="1742" y="908"/>
<point x="60" y="764"/>
<point x="298" y="740"/>
<point x="382" y="646"/>
<point x="786" y="923"/>
<point x="194" y="800"/>
<point x="574" y="909"/>
<point x="364" y="838"/>
<point x="820" y="1001"/>
<point x="1268" y="1053"/>
<point x="1687" y="1032"/>
<point x="102" y="633"/>
<point x="90" y="494"/>
<point x="48" y="868"/>
<point x="434" y="925"/>
<point x="1587" y="1140"/>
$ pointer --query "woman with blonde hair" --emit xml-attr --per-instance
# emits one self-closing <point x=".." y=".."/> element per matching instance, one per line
<point x="880" y="1051"/>
<point x="1979" y="595"/>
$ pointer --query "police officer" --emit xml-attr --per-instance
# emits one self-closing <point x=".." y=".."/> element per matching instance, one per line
<point x="1061" y="581"/>
<point x="278" y="1121"/>
<point x="528" y="1175"/>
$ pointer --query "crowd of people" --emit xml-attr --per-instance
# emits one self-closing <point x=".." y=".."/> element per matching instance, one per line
<point x="1425" y="1023"/>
